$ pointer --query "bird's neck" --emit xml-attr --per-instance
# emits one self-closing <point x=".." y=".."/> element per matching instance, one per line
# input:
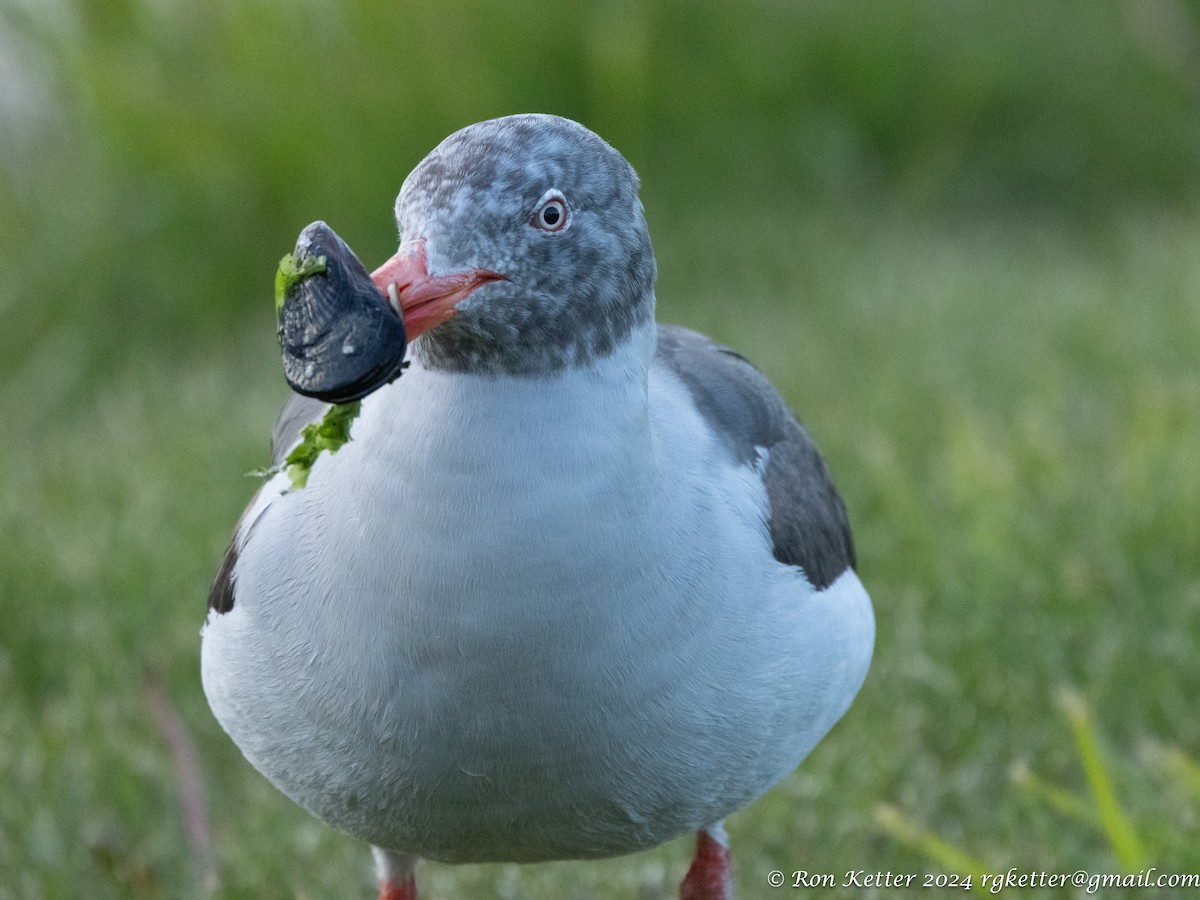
<point x="575" y="418"/>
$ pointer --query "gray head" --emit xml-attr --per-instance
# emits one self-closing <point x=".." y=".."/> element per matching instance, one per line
<point x="533" y="229"/>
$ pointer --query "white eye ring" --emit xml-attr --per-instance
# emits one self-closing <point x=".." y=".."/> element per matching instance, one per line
<point x="552" y="214"/>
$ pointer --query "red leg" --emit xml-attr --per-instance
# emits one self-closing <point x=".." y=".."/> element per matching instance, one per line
<point x="404" y="888"/>
<point x="395" y="871"/>
<point x="711" y="874"/>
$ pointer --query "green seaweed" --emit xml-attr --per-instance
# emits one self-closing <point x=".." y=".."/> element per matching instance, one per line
<point x="292" y="270"/>
<point x="331" y="433"/>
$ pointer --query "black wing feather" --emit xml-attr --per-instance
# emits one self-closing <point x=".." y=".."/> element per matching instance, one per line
<point x="297" y="412"/>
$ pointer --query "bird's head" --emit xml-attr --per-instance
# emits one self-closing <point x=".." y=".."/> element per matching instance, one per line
<point x="524" y="249"/>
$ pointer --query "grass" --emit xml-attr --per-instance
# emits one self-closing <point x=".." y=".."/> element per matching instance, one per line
<point x="1010" y="409"/>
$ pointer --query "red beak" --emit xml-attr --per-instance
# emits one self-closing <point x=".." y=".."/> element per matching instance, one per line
<point x="424" y="300"/>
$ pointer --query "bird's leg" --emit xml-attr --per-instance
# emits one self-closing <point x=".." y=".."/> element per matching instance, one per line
<point x="711" y="874"/>
<point x="395" y="873"/>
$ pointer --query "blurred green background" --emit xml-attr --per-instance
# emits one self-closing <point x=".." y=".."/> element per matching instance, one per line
<point x="963" y="239"/>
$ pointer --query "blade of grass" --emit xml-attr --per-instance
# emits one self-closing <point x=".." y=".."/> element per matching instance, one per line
<point x="1115" y="824"/>
<point x="1060" y="799"/>
<point x="191" y="787"/>
<point x="915" y="836"/>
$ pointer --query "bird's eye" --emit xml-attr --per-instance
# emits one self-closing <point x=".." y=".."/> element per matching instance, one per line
<point x="551" y="213"/>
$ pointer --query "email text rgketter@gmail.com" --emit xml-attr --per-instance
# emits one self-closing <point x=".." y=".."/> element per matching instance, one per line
<point x="993" y="883"/>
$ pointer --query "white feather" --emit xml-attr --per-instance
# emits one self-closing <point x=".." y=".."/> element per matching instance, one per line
<point x="528" y="619"/>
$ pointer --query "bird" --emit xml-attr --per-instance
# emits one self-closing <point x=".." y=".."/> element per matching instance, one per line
<point x="579" y="583"/>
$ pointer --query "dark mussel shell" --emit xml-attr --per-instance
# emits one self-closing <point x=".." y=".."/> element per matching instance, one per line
<point x="340" y="336"/>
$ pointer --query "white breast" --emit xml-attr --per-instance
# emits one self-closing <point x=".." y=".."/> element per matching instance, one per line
<point x="527" y="619"/>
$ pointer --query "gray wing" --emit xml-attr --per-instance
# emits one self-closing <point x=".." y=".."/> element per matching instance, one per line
<point x="297" y="412"/>
<point x="808" y="523"/>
